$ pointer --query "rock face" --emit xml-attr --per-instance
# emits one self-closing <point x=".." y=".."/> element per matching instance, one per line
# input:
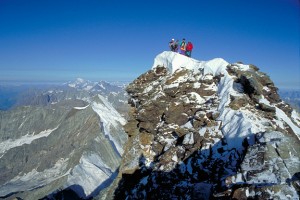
<point x="208" y="130"/>
<point x="65" y="142"/>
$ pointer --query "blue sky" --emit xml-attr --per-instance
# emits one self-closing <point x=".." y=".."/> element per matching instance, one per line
<point x="59" y="40"/>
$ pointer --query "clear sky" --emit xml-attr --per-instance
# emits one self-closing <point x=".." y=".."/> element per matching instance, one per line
<point x="60" y="40"/>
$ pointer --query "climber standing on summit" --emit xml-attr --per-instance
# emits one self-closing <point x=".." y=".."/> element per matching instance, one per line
<point x="172" y="45"/>
<point x="182" y="47"/>
<point x="189" y="48"/>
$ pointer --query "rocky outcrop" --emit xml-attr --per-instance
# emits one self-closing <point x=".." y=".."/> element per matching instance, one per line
<point x="207" y="130"/>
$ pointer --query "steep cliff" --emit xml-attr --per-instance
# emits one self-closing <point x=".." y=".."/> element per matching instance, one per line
<point x="208" y="130"/>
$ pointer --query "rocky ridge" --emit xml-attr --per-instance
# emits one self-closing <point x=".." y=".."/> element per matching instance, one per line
<point x="208" y="130"/>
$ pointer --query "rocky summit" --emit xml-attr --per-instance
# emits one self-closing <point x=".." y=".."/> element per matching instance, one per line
<point x="208" y="130"/>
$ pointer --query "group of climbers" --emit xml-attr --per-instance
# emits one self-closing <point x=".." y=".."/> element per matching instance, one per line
<point x="183" y="48"/>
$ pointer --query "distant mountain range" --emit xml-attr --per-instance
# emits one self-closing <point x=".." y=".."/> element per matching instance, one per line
<point x="292" y="97"/>
<point x="57" y="139"/>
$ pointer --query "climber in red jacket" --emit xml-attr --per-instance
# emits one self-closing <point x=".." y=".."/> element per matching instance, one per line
<point x="189" y="48"/>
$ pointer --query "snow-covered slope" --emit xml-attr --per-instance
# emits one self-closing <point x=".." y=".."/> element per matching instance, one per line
<point x="208" y="129"/>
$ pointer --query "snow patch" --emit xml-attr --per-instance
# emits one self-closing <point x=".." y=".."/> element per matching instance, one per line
<point x="81" y="108"/>
<point x="296" y="117"/>
<point x="174" y="61"/>
<point x="111" y="120"/>
<point x="90" y="173"/>
<point x="283" y="117"/>
<point x="26" y="139"/>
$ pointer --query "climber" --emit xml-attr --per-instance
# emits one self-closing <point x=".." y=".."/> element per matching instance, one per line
<point x="182" y="47"/>
<point x="176" y="45"/>
<point x="172" y="44"/>
<point x="189" y="48"/>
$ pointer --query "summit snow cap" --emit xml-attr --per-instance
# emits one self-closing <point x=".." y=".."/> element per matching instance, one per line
<point x="174" y="61"/>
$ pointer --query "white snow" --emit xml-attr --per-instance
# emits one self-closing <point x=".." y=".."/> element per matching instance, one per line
<point x="264" y="177"/>
<point x="81" y="108"/>
<point x="90" y="173"/>
<point x="188" y="138"/>
<point x="175" y="158"/>
<point x="266" y="88"/>
<point x="26" y="139"/>
<point x="88" y="87"/>
<point x="265" y="101"/>
<point x="196" y="97"/>
<point x="174" y="61"/>
<point x="282" y="116"/>
<point x="197" y="85"/>
<point x="110" y="118"/>
<point x="242" y="66"/>
<point x="296" y="117"/>
<point x="167" y="141"/>
<point x="101" y="85"/>
<point x="148" y="89"/>
<point x="173" y="85"/>
<point x="202" y="131"/>
<point x="72" y="85"/>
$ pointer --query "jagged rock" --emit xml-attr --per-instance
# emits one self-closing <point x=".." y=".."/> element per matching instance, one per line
<point x="237" y="102"/>
<point x="207" y="79"/>
<point x="146" y="138"/>
<point x="158" y="148"/>
<point x="205" y="91"/>
<point x="176" y="75"/>
<point x="161" y="70"/>
<point x="176" y="114"/>
<point x="212" y="115"/>
<point x="267" y="108"/>
<point x="255" y="68"/>
<point x="169" y="158"/>
<point x="240" y="193"/>
<point x="251" y="85"/>
<point x="286" y="108"/>
<point x="270" y="162"/>
<point x="131" y="127"/>
<point x="181" y="131"/>
<point x="132" y="154"/>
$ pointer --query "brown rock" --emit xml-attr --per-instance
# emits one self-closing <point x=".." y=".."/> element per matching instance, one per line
<point x="240" y="194"/>
<point x="131" y="127"/>
<point x="146" y="138"/>
<point x="237" y="102"/>
<point x="267" y="108"/>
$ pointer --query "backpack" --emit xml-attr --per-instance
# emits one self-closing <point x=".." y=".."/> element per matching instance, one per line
<point x="189" y="46"/>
